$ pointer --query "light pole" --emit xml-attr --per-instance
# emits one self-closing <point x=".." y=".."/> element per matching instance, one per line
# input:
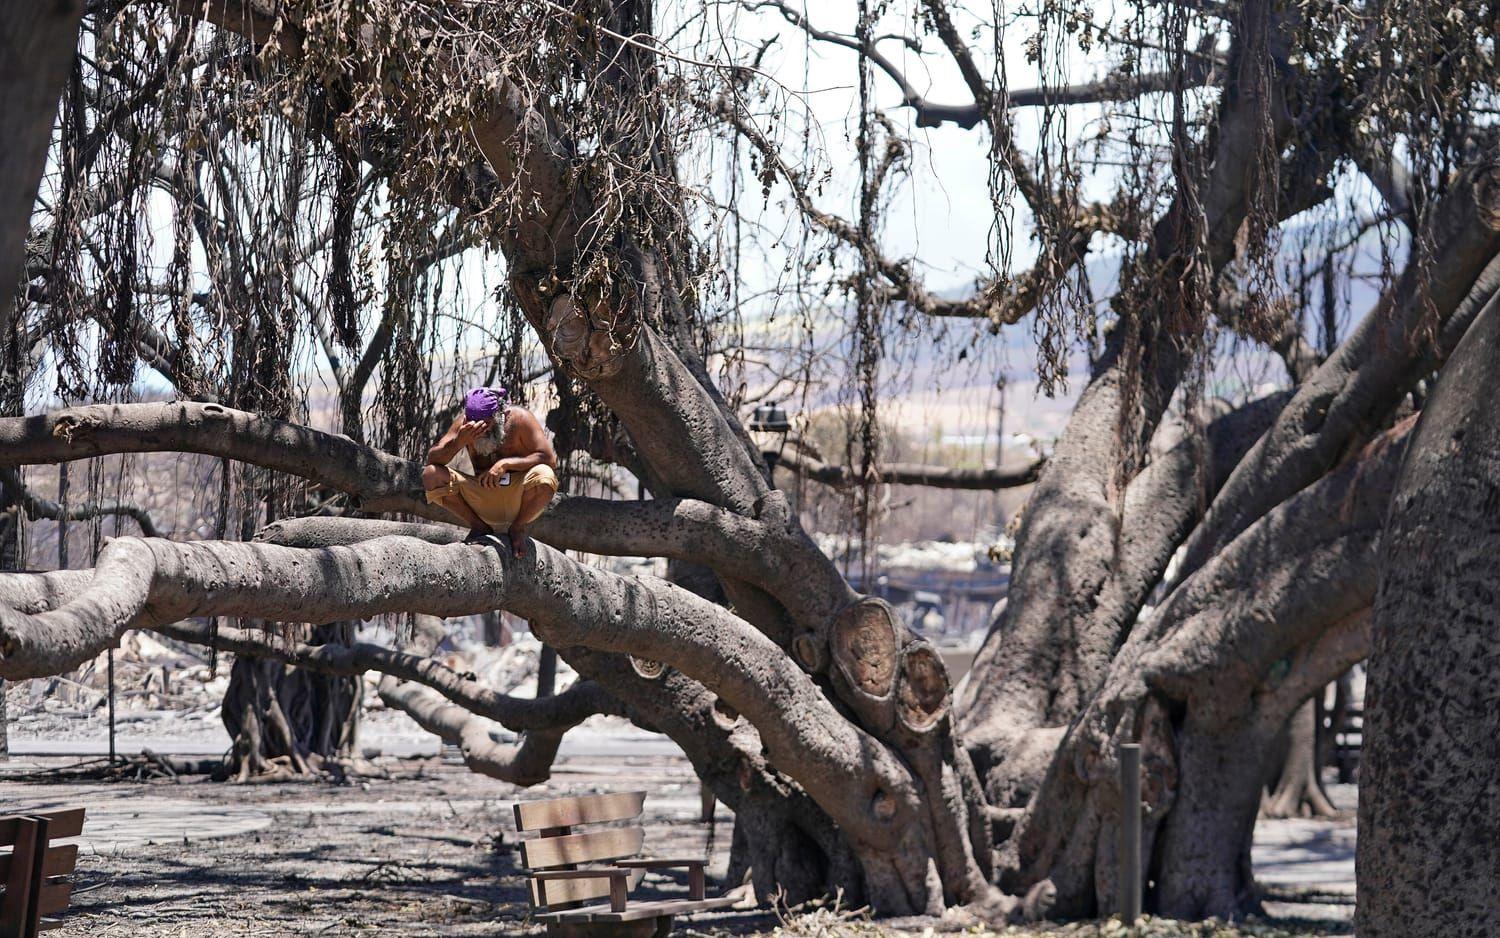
<point x="769" y="426"/>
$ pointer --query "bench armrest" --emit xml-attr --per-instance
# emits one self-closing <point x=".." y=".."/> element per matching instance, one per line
<point x="618" y="881"/>
<point x="694" y="866"/>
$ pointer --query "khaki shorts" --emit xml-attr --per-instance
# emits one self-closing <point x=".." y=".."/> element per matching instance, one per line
<point x="499" y="505"/>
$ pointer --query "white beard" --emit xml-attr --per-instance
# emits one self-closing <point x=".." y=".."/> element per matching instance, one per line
<point x="489" y="444"/>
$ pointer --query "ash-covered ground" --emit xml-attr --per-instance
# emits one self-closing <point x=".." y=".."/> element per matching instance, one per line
<point x="429" y="848"/>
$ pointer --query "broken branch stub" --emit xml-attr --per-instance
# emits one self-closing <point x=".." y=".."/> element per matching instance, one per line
<point x="923" y="698"/>
<point x="866" y="653"/>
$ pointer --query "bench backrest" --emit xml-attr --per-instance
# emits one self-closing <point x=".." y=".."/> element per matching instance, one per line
<point x="559" y="847"/>
<point x="33" y="869"/>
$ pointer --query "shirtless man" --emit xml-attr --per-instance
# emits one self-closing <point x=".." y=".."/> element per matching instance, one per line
<point x="509" y="481"/>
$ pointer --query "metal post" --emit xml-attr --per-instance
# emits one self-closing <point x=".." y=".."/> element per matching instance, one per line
<point x="111" y="664"/>
<point x="1130" y="832"/>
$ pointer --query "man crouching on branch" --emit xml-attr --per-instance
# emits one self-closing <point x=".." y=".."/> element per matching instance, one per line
<point x="493" y="468"/>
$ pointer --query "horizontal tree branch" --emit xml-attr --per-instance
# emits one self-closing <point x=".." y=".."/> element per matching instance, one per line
<point x="377" y="481"/>
<point x="770" y="555"/>
<point x="38" y="507"/>
<point x="938" y="477"/>
<point x="528" y="762"/>
<point x="557" y="712"/>
<point x="148" y="583"/>
<point x="1198" y="72"/>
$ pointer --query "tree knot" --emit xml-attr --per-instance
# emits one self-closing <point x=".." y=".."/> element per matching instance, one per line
<point x="69" y="426"/>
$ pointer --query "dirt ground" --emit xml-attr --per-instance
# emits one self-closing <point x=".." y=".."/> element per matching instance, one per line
<point x="431" y="850"/>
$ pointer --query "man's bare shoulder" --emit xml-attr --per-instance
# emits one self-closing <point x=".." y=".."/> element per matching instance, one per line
<point x="521" y="416"/>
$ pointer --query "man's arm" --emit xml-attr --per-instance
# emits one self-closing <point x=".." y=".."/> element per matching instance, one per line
<point x="460" y="434"/>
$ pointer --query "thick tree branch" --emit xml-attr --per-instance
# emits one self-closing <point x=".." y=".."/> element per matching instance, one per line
<point x="764" y="552"/>
<point x="938" y="477"/>
<point x="377" y="481"/>
<point x="528" y="762"/>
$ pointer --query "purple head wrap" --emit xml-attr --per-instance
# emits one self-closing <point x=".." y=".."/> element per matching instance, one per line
<point x="483" y="403"/>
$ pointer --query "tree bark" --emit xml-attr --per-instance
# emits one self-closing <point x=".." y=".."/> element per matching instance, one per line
<point x="1429" y="803"/>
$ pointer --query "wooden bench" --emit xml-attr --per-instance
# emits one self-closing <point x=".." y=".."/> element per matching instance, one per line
<point x="561" y="887"/>
<point x="33" y="870"/>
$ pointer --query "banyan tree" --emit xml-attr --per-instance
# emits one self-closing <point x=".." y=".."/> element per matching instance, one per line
<point x="234" y="188"/>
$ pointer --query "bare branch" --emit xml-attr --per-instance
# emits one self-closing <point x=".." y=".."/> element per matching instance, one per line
<point x="38" y="507"/>
<point x="1200" y="71"/>
<point x="377" y="481"/>
<point x="929" y="113"/>
<point x="938" y="477"/>
<point x="526" y="763"/>
<point x="557" y="712"/>
<point x="1286" y="334"/>
<point x="1388" y="172"/>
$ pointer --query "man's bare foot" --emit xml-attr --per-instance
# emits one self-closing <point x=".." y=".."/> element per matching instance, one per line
<point x="518" y="539"/>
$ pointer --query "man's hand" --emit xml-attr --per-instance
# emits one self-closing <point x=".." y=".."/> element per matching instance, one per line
<point x="471" y="430"/>
<point x="494" y="476"/>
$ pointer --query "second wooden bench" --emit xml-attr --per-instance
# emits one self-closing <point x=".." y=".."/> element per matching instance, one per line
<point x="560" y="887"/>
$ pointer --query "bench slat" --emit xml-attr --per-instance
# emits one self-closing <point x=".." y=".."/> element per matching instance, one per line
<point x="589" y="847"/>
<point x="59" y="861"/>
<point x="576" y="890"/>
<point x="570" y="812"/>
<point x="60" y="824"/>
<point x="570" y="915"/>
<point x="54" y="898"/>
<point x="640" y="910"/>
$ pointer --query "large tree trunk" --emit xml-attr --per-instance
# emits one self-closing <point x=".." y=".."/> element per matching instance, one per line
<point x="10" y="542"/>
<point x="1206" y="684"/>
<point x="1429" y="800"/>
<point x="286" y="721"/>
<point x="1298" y="791"/>
<point x="37" y="42"/>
